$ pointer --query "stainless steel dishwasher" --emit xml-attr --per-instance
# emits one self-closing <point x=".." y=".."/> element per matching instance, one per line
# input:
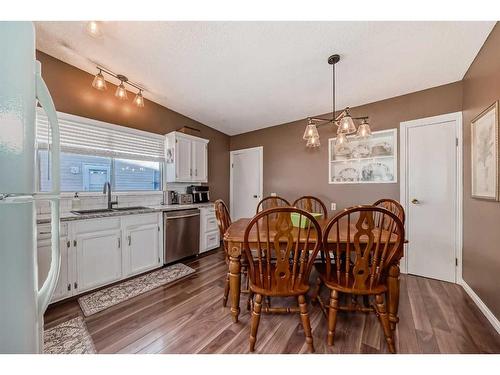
<point x="181" y="234"/>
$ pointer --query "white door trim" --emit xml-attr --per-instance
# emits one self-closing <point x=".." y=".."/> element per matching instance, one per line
<point x="403" y="166"/>
<point x="260" y="149"/>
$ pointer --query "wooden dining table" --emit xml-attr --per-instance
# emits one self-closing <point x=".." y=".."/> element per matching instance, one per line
<point x="234" y="238"/>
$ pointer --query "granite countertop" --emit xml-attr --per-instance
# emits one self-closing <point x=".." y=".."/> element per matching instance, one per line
<point x="68" y="216"/>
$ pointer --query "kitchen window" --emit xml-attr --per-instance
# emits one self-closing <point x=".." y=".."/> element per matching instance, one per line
<point x="94" y="153"/>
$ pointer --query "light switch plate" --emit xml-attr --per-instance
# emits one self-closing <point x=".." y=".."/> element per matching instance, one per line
<point x="273" y="194"/>
<point x="333" y="206"/>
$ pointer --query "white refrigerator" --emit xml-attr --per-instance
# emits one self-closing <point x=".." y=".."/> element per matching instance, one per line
<point x="22" y="300"/>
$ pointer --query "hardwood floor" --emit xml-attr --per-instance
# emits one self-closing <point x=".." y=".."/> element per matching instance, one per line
<point x="187" y="317"/>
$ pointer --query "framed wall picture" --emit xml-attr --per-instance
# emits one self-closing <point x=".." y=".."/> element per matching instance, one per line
<point x="485" y="153"/>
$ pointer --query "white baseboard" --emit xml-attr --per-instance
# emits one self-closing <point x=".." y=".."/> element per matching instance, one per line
<point x="484" y="309"/>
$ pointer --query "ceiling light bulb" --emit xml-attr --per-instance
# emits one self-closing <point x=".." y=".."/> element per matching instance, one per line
<point x="93" y="29"/>
<point x="311" y="131"/>
<point x="313" y="142"/>
<point x="364" y="130"/>
<point x="346" y="124"/>
<point x="139" y="99"/>
<point x="121" y="92"/>
<point x="99" y="82"/>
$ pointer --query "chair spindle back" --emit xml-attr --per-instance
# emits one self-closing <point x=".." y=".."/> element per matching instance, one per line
<point x="362" y="259"/>
<point x="271" y="202"/>
<point x="280" y="256"/>
<point x="311" y="204"/>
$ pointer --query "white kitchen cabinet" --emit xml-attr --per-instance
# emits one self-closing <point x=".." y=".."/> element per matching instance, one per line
<point x="209" y="231"/>
<point x="97" y="252"/>
<point x="98" y="258"/>
<point x="143" y="248"/>
<point x="63" y="288"/>
<point x="186" y="158"/>
<point x="199" y="156"/>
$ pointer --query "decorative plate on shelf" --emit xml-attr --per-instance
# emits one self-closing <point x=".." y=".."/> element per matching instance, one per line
<point x="376" y="172"/>
<point x="381" y="148"/>
<point x="348" y="174"/>
<point x="361" y="151"/>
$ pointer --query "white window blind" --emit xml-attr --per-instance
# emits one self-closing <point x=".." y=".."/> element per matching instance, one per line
<point x="90" y="137"/>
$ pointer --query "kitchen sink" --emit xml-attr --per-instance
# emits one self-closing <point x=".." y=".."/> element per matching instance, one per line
<point x="129" y="208"/>
<point x="107" y="210"/>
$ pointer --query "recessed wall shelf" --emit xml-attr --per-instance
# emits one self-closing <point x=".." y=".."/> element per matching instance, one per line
<point x="364" y="161"/>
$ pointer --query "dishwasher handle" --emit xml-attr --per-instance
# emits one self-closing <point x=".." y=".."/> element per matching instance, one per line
<point x="180" y="217"/>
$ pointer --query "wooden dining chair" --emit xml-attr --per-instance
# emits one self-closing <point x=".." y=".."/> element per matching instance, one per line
<point x="280" y="258"/>
<point x="271" y="202"/>
<point x="357" y="259"/>
<point x="311" y="204"/>
<point x="223" y="222"/>
<point x="392" y="205"/>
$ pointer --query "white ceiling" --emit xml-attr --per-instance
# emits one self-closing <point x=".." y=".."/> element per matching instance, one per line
<point x="241" y="76"/>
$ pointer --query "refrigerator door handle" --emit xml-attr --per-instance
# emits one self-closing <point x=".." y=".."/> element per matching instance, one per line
<point x="47" y="290"/>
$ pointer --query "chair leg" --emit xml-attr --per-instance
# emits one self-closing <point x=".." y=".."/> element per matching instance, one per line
<point x="249" y="301"/>
<point x="384" y="320"/>
<point x="332" y="315"/>
<point x="304" y="316"/>
<point x="226" y="291"/>
<point x="255" y="321"/>
<point x="317" y="289"/>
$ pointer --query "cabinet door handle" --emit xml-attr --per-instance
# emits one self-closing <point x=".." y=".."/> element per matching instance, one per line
<point x="196" y="172"/>
<point x="119" y="242"/>
<point x="129" y="240"/>
<point x="69" y="287"/>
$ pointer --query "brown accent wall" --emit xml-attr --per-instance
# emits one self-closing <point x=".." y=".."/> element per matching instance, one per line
<point x="72" y="93"/>
<point x="481" y="235"/>
<point x="292" y="170"/>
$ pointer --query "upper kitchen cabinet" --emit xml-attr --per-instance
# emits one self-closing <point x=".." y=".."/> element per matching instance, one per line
<point x="186" y="158"/>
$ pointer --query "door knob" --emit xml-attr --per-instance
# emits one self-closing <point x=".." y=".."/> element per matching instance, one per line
<point x="415" y="201"/>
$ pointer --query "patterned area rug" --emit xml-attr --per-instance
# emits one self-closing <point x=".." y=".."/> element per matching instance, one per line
<point x="70" y="337"/>
<point x="104" y="298"/>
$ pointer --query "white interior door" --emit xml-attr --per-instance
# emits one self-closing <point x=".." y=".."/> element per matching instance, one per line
<point x="246" y="182"/>
<point x="431" y="195"/>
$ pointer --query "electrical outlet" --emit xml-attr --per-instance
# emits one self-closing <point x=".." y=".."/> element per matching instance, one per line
<point x="333" y="206"/>
<point x="273" y="194"/>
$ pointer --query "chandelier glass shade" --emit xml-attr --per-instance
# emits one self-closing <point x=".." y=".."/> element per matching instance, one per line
<point x="364" y="130"/>
<point x="121" y="92"/>
<point x="311" y="131"/>
<point x="99" y="82"/>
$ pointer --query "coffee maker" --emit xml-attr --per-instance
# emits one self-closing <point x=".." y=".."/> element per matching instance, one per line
<point x="200" y="194"/>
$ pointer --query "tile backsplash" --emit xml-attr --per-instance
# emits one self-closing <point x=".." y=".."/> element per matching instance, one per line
<point x="92" y="202"/>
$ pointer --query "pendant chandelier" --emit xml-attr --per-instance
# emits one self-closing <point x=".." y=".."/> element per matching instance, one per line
<point x="344" y="121"/>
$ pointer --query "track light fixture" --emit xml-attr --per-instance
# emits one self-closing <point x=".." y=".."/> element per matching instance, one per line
<point x="99" y="83"/>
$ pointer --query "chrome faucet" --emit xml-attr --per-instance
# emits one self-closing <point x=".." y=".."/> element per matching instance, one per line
<point x="107" y="188"/>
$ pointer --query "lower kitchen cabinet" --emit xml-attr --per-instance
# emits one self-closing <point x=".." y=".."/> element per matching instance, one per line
<point x="143" y="238"/>
<point x="63" y="288"/>
<point x="209" y="231"/>
<point x="98" y="259"/>
<point x="97" y="252"/>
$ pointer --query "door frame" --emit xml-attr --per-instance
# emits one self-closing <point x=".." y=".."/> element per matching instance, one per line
<point x="260" y="149"/>
<point x="403" y="166"/>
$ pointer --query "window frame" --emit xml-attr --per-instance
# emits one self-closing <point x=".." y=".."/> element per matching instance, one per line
<point x="115" y="127"/>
